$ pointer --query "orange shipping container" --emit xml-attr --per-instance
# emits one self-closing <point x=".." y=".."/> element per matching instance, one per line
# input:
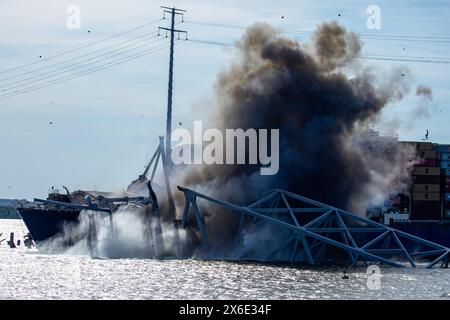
<point x="428" y="154"/>
<point x="424" y="196"/>
<point x="427" y="188"/>
<point x="427" y="163"/>
<point x="426" y="171"/>
<point x="422" y="146"/>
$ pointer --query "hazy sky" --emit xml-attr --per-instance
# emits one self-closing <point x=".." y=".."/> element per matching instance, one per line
<point x="98" y="131"/>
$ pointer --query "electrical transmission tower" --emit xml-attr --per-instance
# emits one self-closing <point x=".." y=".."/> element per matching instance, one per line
<point x="173" y="13"/>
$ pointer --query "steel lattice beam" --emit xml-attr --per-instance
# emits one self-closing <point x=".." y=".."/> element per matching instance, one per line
<point x="325" y="226"/>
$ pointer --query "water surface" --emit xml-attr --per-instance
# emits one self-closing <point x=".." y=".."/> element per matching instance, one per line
<point x="27" y="274"/>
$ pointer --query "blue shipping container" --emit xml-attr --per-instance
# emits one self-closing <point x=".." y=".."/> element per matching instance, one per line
<point x="447" y="172"/>
<point x="442" y="148"/>
<point x="445" y="156"/>
<point x="445" y="164"/>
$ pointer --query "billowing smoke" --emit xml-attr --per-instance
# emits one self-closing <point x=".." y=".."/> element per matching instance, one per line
<point x="424" y="91"/>
<point x="388" y="164"/>
<point x="335" y="47"/>
<point x="426" y="97"/>
<point x="322" y="101"/>
<point x="130" y="234"/>
<point x="326" y="151"/>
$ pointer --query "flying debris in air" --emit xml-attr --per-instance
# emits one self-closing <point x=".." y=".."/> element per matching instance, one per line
<point x="180" y="124"/>
<point x="426" y="135"/>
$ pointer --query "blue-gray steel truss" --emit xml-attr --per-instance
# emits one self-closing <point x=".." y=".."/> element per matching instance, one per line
<point x="313" y="226"/>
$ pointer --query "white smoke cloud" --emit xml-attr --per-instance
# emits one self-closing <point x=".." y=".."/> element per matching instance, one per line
<point x="131" y="235"/>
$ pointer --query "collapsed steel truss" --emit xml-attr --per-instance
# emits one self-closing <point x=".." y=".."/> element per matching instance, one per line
<point x="313" y="228"/>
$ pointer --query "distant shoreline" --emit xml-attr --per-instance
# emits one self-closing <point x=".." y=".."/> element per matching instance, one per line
<point x="8" y="213"/>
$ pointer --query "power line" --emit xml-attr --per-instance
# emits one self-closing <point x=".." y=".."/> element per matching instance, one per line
<point x="404" y="36"/>
<point x="39" y="77"/>
<point x="418" y="57"/>
<point x="310" y="33"/>
<point x="76" y="58"/>
<point x="302" y="14"/>
<point x="85" y="72"/>
<point x="382" y="37"/>
<point x="144" y="36"/>
<point x="217" y="25"/>
<point x="82" y="47"/>
<point x="50" y="74"/>
<point x="239" y="12"/>
<point x="119" y="51"/>
<point x="218" y="43"/>
<point x="405" y="59"/>
<point x="173" y="13"/>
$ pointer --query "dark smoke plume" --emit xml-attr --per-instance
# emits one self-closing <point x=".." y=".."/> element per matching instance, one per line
<point x="276" y="84"/>
<point x="325" y="151"/>
<point x="423" y="108"/>
<point x="335" y="47"/>
<point x="424" y="91"/>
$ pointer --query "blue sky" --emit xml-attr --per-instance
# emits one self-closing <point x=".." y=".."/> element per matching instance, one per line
<point x="98" y="131"/>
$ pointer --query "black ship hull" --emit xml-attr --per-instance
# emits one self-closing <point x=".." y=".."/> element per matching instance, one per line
<point x="437" y="232"/>
<point x="43" y="224"/>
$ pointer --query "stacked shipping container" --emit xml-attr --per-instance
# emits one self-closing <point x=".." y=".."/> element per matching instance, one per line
<point x="444" y="155"/>
<point x="429" y="196"/>
<point x="426" y="189"/>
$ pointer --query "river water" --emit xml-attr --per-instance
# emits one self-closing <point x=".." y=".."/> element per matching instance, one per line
<point x="28" y="274"/>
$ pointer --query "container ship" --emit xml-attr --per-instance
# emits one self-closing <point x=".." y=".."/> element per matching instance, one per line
<point x="46" y="218"/>
<point x="425" y="210"/>
<point x="45" y="221"/>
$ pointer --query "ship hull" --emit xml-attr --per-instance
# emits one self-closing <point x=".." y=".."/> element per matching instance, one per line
<point x="43" y="224"/>
<point x="431" y="231"/>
